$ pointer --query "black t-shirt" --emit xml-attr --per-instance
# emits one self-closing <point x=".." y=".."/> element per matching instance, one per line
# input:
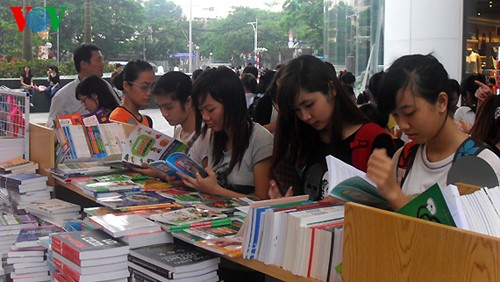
<point x="314" y="176"/>
<point x="26" y="78"/>
<point x="54" y="79"/>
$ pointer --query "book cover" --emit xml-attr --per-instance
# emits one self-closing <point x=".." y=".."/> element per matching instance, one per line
<point x="87" y="245"/>
<point x="187" y="216"/>
<point x="121" y="225"/>
<point x="180" y="162"/>
<point x="131" y="200"/>
<point x="28" y="237"/>
<point x="52" y="206"/>
<point x="227" y="205"/>
<point x="25" y="178"/>
<point x="14" y="221"/>
<point x="430" y="205"/>
<point x="207" y="238"/>
<point x="176" y="257"/>
<point x="146" y="145"/>
<point x="359" y="190"/>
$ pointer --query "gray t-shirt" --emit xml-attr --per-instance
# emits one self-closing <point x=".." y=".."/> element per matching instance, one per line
<point x="241" y="178"/>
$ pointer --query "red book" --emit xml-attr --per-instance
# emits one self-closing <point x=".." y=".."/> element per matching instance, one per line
<point x="90" y="244"/>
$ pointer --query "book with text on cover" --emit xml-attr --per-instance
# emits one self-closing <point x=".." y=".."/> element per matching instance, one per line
<point x="187" y="216"/>
<point x="177" y="258"/>
<point x="135" y="200"/>
<point x="88" y="245"/>
<point x="146" y="145"/>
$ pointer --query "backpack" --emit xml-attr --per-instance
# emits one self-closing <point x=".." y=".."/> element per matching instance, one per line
<point x="362" y="145"/>
<point x="470" y="147"/>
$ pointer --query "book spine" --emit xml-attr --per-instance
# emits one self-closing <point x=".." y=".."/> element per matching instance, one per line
<point x="93" y="142"/>
<point x="144" y="207"/>
<point x="65" y="250"/>
<point x="100" y="144"/>
<point x="72" y="150"/>
<point x="142" y="277"/>
<point x="213" y="223"/>
<point x="156" y="269"/>
<point x="65" y="270"/>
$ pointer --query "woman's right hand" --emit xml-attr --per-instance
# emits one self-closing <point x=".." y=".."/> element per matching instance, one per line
<point x="381" y="172"/>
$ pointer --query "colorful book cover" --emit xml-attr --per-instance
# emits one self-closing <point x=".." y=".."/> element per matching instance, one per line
<point x="358" y="190"/>
<point x="228" y="204"/>
<point x="28" y="237"/>
<point x="430" y="205"/>
<point x="146" y="145"/>
<point x="180" y="162"/>
<point x="187" y="216"/>
<point x="129" y="200"/>
<point x="24" y="178"/>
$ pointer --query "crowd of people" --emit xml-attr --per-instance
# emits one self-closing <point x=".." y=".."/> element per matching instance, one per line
<point x="269" y="137"/>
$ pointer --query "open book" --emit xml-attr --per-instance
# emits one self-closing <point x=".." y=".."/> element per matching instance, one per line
<point x="179" y="162"/>
<point x="146" y="145"/>
<point x="350" y="184"/>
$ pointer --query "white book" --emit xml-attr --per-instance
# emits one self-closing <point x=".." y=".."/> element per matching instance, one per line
<point x="121" y="225"/>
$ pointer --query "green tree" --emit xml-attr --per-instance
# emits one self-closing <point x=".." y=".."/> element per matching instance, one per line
<point x="305" y="18"/>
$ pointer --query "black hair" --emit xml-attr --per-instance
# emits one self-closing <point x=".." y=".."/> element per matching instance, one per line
<point x="83" y="53"/>
<point x="330" y="65"/>
<point x="224" y="86"/>
<point x="374" y="85"/>
<point x="424" y="75"/>
<point x="308" y="73"/>
<point x="249" y="82"/>
<point x="131" y="72"/>
<point x="251" y="69"/>
<point x="347" y="78"/>
<point x="196" y="74"/>
<point x="95" y="85"/>
<point x="468" y="89"/>
<point x="174" y="84"/>
<point x="265" y="81"/>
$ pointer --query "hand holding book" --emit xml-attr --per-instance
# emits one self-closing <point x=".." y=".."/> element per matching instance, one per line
<point x="381" y="171"/>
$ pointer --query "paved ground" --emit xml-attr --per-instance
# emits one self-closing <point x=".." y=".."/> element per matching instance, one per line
<point x="159" y="123"/>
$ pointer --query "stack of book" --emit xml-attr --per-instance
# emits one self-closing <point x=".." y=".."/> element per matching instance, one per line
<point x="101" y="186"/>
<point x="25" y="188"/>
<point x="296" y="234"/>
<point x="172" y="262"/>
<point x="134" y="229"/>
<point x="18" y="165"/>
<point x="10" y="225"/>
<point x="27" y="255"/>
<point x="55" y="211"/>
<point x="90" y="255"/>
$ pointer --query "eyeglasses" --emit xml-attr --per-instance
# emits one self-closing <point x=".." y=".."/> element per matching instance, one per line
<point x="143" y="87"/>
<point x="83" y="99"/>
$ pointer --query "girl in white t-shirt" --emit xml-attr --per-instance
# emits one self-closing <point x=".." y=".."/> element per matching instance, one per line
<point x="416" y="90"/>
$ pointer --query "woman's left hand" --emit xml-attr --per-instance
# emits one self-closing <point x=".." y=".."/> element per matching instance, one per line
<point x="208" y="185"/>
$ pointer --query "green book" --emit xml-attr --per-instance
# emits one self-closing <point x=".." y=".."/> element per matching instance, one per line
<point x="359" y="190"/>
<point x="430" y="205"/>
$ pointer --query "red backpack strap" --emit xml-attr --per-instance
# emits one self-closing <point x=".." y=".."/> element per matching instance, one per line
<point x="405" y="160"/>
<point x="361" y="147"/>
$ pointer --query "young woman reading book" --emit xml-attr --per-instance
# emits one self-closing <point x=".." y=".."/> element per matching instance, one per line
<point x="239" y="154"/>
<point x="416" y="90"/>
<point x="173" y="97"/>
<point x="94" y="93"/>
<point x="317" y="118"/>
